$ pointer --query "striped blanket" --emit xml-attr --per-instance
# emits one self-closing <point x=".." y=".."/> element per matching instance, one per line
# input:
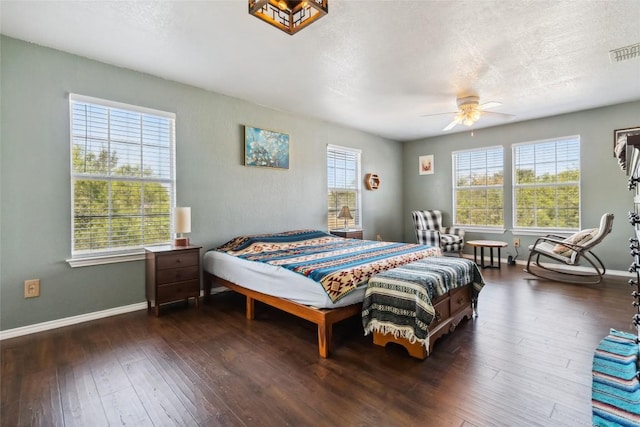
<point x="398" y="301"/>
<point x="339" y="265"/>
<point x="615" y="392"/>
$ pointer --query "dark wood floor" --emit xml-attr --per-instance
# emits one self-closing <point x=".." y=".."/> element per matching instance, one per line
<point x="525" y="361"/>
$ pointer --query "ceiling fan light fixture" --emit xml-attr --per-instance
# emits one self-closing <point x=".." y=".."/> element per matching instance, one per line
<point x="289" y="16"/>
<point x="469" y="110"/>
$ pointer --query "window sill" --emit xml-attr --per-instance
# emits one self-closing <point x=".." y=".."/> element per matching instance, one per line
<point x="489" y="230"/>
<point x="90" y="260"/>
<point x="542" y="231"/>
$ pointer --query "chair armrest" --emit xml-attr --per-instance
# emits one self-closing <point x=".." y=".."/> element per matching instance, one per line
<point x="550" y="239"/>
<point x="454" y="230"/>
<point x="555" y="236"/>
<point x="428" y="237"/>
<point x="558" y="240"/>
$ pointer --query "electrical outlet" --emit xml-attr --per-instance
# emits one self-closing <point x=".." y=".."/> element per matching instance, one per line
<point x="32" y="288"/>
<point x="516" y="242"/>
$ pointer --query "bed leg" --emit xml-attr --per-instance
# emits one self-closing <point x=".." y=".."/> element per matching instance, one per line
<point x="324" y="339"/>
<point x="206" y="288"/>
<point x="250" y="308"/>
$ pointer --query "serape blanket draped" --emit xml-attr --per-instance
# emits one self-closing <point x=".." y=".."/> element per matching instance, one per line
<point x="339" y="265"/>
<point x="398" y="301"/>
<point x="615" y="391"/>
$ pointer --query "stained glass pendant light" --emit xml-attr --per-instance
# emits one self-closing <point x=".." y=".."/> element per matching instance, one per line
<point x="289" y="16"/>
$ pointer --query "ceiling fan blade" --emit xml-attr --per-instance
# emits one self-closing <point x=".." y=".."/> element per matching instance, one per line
<point x="450" y="125"/>
<point x="495" y="113"/>
<point x="490" y="104"/>
<point x="437" y="114"/>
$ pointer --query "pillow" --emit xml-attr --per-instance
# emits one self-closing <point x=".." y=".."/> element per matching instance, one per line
<point x="579" y="238"/>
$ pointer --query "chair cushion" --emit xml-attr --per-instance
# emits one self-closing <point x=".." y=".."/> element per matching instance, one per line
<point x="450" y="239"/>
<point x="579" y="238"/>
<point x="547" y="249"/>
<point x="427" y="237"/>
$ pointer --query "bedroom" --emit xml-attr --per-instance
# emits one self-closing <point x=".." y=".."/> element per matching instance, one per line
<point x="226" y="197"/>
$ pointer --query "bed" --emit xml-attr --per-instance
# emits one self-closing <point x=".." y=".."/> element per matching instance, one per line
<point x="308" y="273"/>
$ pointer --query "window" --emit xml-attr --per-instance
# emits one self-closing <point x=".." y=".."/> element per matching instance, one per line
<point x="122" y="177"/>
<point x="343" y="182"/>
<point x="546" y="184"/>
<point x="478" y="196"/>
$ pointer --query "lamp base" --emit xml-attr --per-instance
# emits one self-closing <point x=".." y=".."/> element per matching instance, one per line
<point x="181" y="241"/>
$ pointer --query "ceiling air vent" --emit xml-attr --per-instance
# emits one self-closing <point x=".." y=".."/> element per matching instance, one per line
<point x="624" y="53"/>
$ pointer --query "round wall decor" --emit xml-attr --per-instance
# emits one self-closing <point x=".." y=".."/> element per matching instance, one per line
<point x="372" y="181"/>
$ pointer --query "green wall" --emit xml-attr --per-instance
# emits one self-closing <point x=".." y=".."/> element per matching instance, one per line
<point x="226" y="198"/>
<point x="603" y="184"/>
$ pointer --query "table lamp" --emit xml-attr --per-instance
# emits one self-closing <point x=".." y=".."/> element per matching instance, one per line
<point x="182" y="217"/>
<point x="344" y="213"/>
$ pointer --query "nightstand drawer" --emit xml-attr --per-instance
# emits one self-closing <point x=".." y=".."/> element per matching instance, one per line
<point x="178" y="291"/>
<point x="181" y="259"/>
<point x="178" y="274"/>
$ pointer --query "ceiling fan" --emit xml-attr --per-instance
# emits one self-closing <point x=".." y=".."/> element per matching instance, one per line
<point x="469" y="111"/>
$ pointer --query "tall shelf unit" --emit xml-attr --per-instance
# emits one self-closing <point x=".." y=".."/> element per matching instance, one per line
<point x="615" y="390"/>
<point x="633" y="158"/>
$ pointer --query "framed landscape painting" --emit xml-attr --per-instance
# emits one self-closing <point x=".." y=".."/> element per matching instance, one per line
<point x="266" y="148"/>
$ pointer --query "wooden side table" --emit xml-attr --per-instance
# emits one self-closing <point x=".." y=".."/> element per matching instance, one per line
<point x="348" y="234"/>
<point x="172" y="273"/>
<point x="486" y="244"/>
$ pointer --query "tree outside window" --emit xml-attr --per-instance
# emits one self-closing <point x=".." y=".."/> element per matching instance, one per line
<point x="122" y="174"/>
<point x="479" y="187"/>
<point x="546" y="187"/>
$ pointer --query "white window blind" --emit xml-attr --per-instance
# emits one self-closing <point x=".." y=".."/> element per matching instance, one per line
<point x="478" y="184"/>
<point x="344" y="189"/>
<point x="122" y="176"/>
<point x="546" y="184"/>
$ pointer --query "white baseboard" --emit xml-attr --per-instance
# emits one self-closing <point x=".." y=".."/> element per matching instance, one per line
<point x="570" y="268"/>
<point x="59" y="323"/>
<point x="53" y="324"/>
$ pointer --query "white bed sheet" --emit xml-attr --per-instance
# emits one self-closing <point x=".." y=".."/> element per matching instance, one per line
<point x="276" y="281"/>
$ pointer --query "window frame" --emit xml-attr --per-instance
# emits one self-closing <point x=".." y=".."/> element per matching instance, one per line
<point x="135" y="252"/>
<point x="454" y="175"/>
<point x="357" y="212"/>
<point x="537" y="230"/>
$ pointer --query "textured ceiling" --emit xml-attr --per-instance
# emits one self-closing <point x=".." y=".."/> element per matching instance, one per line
<point x="378" y="65"/>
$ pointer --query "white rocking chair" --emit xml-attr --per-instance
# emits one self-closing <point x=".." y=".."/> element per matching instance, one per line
<point x="570" y="251"/>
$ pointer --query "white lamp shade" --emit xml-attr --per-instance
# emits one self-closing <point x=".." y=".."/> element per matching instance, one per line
<point x="182" y="220"/>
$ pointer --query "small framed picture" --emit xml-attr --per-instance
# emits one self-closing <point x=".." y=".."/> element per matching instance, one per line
<point x="426" y="165"/>
<point x="620" y="136"/>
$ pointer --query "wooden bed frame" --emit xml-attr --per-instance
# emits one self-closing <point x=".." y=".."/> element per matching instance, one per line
<point x="324" y="318"/>
<point x="450" y="310"/>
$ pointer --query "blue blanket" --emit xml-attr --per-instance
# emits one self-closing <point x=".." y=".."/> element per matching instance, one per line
<point x="339" y="265"/>
<point x="615" y="392"/>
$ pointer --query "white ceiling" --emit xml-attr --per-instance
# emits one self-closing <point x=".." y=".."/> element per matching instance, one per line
<point x="373" y="65"/>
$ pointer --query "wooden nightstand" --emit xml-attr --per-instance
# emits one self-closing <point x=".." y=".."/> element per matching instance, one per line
<point x="349" y="234"/>
<point x="172" y="274"/>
